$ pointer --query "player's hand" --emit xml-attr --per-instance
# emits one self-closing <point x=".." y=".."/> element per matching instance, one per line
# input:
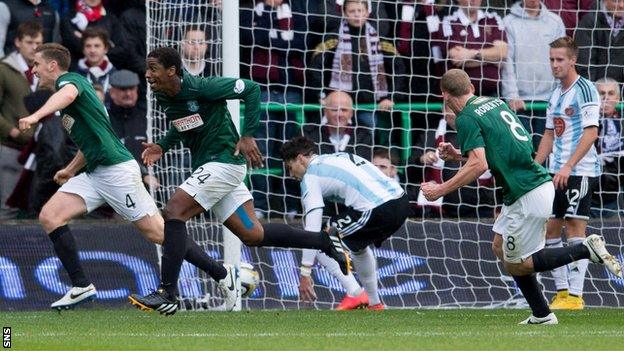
<point x="306" y="289"/>
<point x="429" y="158"/>
<point x="385" y="105"/>
<point x="151" y="153"/>
<point x="516" y="104"/>
<point x="561" y="178"/>
<point x="431" y="190"/>
<point x="247" y="146"/>
<point x="448" y="152"/>
<point x="62" y="176"/>
<point x="27" y="122"/>
<point x="151" y="181"/>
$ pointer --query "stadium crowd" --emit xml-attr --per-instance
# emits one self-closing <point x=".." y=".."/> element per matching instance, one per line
<point x="302" y="51"/>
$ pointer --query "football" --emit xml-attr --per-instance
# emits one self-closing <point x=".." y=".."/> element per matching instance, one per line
<point x="250" y="279"/>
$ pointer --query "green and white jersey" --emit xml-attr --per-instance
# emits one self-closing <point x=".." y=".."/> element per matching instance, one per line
<point x="88" y="125"/>
<point x="488" y="123"/>
<point x="200" y="119"/>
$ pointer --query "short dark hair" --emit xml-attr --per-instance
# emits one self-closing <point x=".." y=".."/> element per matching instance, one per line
<point x="29" y="28"/>
<point x="168" y="57"/>
<point x="95" y="32"/>
<point x="566" y="42"/>
<point x="55" y="52"/>
<point x="383" y="152"/>
<point x="299" y="145"/>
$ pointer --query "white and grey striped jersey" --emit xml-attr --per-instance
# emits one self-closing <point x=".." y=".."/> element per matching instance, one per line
<point x="569" y="113"/>
<point x="348" y="179"/>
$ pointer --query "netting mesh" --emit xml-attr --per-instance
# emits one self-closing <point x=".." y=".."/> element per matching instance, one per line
<point x="442" y="257"/>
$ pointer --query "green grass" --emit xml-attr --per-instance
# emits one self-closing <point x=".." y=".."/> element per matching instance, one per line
<point x="94" y="329"/>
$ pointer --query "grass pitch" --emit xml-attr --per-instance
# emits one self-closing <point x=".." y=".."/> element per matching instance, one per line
<point x="128" y="329"/>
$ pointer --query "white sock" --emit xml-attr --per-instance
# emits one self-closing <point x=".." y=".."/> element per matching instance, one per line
<point x="348" y="282"/>
<point x="366" y="266"/>
<point x="560" y="275"/>
<point x="577" y="270"/>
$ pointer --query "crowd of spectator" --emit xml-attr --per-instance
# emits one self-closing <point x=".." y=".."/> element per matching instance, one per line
<point x="340" y="54"/>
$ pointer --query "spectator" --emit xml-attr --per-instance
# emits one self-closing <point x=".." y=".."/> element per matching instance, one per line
<point x="130" y="53"/>
<point x="194" y="47"/>
<point x="16" y="81"/>
<point x="530" y="28"/>
<point x="276" y="64"/>
<point x="600" y="37"/>
<point x="128" y="117"/>
<point x="95" y="65"/>
<point x="571" y="12"/>
<point x="371" y="70"/>
<point x="387" y="162"/>
<point x="87" y="14"/>
<point x="611" y="150"/>
<point x="336" y="131"/>
<point x="17" y="12"/>
<point x="474" y="40"/>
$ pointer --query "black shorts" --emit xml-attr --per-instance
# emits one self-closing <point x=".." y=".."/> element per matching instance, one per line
<point x="361" y="229"/>
<point x="575" y="201"/>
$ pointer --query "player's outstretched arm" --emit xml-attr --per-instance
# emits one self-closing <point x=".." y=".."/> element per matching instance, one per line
<point x="468" y="173"/>
<point x="74" y="166"/>
<point x="58" y="101"/>
<point x="545" y="146"/>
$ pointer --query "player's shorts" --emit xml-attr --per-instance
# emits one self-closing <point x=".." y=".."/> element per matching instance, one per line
<point x="575" y="201"/>
<point x="120" y="186"/>
<point x="361" y="229"/>
<point x="218" y="187"/>
<point x="523" y="223"/>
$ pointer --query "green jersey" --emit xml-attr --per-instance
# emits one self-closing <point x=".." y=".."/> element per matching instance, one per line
<point x="200" y="119"/>
<point x="89" y="126"/>
<point x="488" y="123"/>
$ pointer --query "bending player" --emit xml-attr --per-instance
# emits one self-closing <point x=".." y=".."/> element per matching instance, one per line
<point x="572" y="128"/>
<point x="197" y="110"/>
<point x="112" y="176"/>
<point x="491" y="136"/>
<point x="377" y="205"/>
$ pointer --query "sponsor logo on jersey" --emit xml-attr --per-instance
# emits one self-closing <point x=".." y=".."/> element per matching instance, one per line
<point x="559" y="124"/>
<point x="192" y="105"/>
<point x="239" y="86"/>
<point x="187" y="123"/>
<point x="68" y="122"/>
<point x="570" y="111"/>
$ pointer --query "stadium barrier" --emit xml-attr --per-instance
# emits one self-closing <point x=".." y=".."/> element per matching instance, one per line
<point x="428" y="269"/>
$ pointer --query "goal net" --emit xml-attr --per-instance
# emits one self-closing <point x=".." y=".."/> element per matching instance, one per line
<point x="442" y="257"/>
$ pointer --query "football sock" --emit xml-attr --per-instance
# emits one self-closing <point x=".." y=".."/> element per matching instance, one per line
<point x="200" y="259"/>
<point x="547" y="259"/>
<point x="347" y="281"/>
<point x="174" y="249"/>
<point x="283" y="235"/>
<point x="533" y="294"/>
<point x="65" y="248"/>
<point x="560" y="275"/>
<point x="577" y="270"/>
<point x="366" y="266"/>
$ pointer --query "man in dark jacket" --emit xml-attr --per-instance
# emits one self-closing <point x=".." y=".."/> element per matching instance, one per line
<point x="20" y="11"/>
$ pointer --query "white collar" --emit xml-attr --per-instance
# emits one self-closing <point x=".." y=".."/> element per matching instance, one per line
<point x="196" y="72"/>
<point x="465" y="20"/>
<point x="21" y="62"/>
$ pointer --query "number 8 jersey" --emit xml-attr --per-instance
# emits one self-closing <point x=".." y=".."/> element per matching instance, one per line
<point x="488" y="123"/>
<point x="348" y="179"/>
<point x="569" y="113"/>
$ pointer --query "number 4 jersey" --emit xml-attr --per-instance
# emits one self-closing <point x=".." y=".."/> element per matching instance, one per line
<point x="489" y="123"/>
<point x="348" y="179"/>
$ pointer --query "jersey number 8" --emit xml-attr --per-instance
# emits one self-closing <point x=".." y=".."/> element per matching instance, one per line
<point x="516" y="128"/>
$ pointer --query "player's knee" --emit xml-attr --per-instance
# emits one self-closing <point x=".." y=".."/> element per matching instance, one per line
<point x="518" y="269"/>
<point x="253" y="237"/>
<point x="171" y="212"/>
<point x="49" y="220"/>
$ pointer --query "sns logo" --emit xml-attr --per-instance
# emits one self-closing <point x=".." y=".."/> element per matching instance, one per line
<point x="6" y="337"/>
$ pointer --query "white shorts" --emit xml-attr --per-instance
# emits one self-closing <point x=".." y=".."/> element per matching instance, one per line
<point x="218" y="187"/>
<point x="118" y="185"/>
<point x="523" y="223"/>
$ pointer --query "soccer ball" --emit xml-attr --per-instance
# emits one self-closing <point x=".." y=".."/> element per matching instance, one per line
<point x="250" y="279"/>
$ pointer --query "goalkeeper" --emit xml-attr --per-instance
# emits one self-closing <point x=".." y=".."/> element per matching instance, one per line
<point x="491" y="136"/>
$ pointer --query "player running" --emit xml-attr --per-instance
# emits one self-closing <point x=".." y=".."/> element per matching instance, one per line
<point x="377" y="205"/>
<point x="572" y="128"/>
<point x="197" y="110"/>
<point x="112" y="176"/>
<point x="491" y="136"/>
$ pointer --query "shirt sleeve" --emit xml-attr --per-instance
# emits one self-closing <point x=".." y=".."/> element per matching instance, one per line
<point x="311" y="195"/>
<point x="550" y="124"/>
<point x="469" y="134"/>
<point x="171" y="138"/>
<point x="590" y="107"/>
<point x="222" y="88"/>
<point x="71" y="79"/>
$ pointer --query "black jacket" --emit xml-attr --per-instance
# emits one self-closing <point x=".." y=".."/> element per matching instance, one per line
<point x="601" y="55"/>
<point x="130" y="125"/>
